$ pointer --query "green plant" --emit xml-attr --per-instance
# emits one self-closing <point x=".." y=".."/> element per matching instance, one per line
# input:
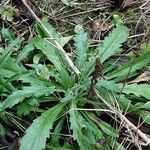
<point x="74" y="103"/>
<point x="7" y="12"/>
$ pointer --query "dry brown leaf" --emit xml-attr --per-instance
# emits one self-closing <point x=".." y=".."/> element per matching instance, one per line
<point x="99" y="25"/>
<point x="143" y="77"/>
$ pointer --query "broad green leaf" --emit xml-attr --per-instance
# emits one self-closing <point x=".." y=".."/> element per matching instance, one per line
<point x="138" y="63"/>
<point x="54" y="34"/>
<point x="92" y="126"/>
<point x="10" y="68"/>
<point x="6" y="86"/>
<point x="81" y="129"/>
<point x="49" y="51"/>
<point x="30" y="91"/>
<point x="42" y="70"/>
<point x="28" y="105"/>
<point x="112" y="42"/>
<point x="81" y="44"/>
<point x="88" y="69"/>
<point x="138" y="90"/>
<point x="146" y="106"/>
<point x="65" y="79"/>
<point x="106" y="128"/>
<point x="69" y="95"/>
<point x="39" y="130"/>
<point x="35" y="79"/>
<point x="110" y="85"/>
<point x="125" y="104"/>
<point x="64" y="40"/>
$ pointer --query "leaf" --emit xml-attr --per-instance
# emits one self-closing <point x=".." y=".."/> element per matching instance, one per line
<point x="117" y="20"/>
<point x="125" y="104"/>
<point x="35" y="79"/>
<point x="31" y="91"/>
<point x="27" y="106"/>
<point x="110" y="85"/>
<point x="7" y="34"/>
<point x="92" y="126"/>
<point x="69" y="95"/>
<point x="2" y="131"/>
<point x="6" y="86"/>
<point x="138" y="90"/>
<point x="5" y="56"/>
<point x="25" y="51"/>
<point x="10" y="68"/>
<point x="106" y="128"/>
<point x="58" y="128"/>
<point x="49" y="51"/>
<point x="38" y="132"/>
<point x="42" y="70"/>
<point x="145" y="116"/>
<point x="81" y="44"/>
<point x="112" y="43"/>
<point x="81" y="129"/>
<point x="37" y="57"/>
<point x="139" y="63"/>
<point x="146" y="106"/>
<point x="64" y="40"/>
<point x="88" y="69"/>
<point x="65" y="79"/>
<point x="55" y="35"/>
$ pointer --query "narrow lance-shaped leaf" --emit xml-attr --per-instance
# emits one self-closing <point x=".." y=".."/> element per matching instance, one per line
<point x="58" y="128"/>
<point x="54" y="34"/>
<point x="138" y="90"/>
<point x="112" y="42"/>
<point x="32" y="91"/>
<point x="138" y="63"/>
<point x="10" y="68"/>
<point x="81" y="44"/>
<point x="49" y="51"/>
<point x="34" y="79"/>
<point x="38" y="132"/>
<point x="6" y="86"/>
<point x="81" y="131"/>
<point x="14" y="44"/>
<point x="24" y="52"/>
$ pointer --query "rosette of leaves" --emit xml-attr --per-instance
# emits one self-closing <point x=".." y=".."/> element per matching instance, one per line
<point x="70" y="117"/>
